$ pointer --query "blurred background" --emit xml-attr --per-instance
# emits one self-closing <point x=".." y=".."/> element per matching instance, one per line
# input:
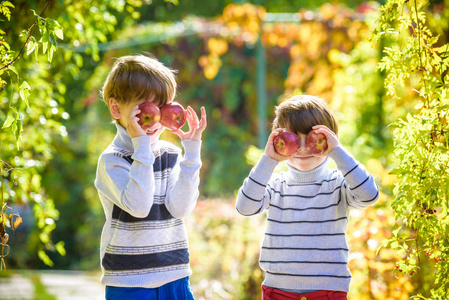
<point x="239" y="59"/>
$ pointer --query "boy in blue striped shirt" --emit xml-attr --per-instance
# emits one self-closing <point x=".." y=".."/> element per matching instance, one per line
<point x="304" y="251"/>
<point x="146" y="187"/>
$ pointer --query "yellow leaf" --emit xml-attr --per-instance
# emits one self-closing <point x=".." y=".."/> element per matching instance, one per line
<point x="16" y="223"/>
<point x="210" y="72"/>
<point x="203" y="61"/>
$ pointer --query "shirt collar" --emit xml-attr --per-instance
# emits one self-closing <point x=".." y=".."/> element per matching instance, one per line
<point x="308" y="176"/>
<point x="122" y="139"/>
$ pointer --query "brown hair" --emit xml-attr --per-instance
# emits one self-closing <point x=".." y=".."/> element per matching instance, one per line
<point x="139" y="77"/>
<point x="301" y="112"/>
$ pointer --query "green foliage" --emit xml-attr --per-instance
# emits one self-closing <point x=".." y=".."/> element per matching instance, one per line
<point x="33" y="100"/>
<point x="416" y="67"/>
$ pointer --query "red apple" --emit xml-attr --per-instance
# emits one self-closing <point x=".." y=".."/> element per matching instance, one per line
<point x="173" y="116"/>
<point x="286" y="143"/>
<point x="316" y="143"/>
<point x="149" y="115"/>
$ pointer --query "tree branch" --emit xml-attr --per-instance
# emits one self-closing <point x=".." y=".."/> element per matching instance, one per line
<point x="28" y="38"/>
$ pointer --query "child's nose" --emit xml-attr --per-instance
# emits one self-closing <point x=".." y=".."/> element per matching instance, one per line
<point x="302" y="144"/>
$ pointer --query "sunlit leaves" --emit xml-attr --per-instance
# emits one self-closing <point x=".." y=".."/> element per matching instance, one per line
<point x="212" y="63"/>
<point x="50" y="30"/>
<point x="5" y="9"/>
<point x="307" y="37"/>
<point x="413" y="63"/>
<point x="245" y="19"/>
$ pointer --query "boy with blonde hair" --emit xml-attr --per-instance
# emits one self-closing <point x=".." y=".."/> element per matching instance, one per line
<point x="146" y="187"/>
<point x="304" y="251"/>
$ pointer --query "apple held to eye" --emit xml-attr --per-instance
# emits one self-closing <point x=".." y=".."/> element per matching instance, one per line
<point x="149" y="115"/>
<point x="173" y="116"/>
<point x="316" y="143"/>
<point x="286" y="143"/>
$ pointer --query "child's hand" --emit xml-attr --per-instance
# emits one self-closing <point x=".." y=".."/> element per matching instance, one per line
<point x="195" y="125"/>
<point x="332" y="138"/>
<point x="269" y="148"/>
<point x="133" y="127"/>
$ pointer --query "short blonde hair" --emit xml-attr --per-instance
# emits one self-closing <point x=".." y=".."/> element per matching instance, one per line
<point x="301" y="112"/>
<point x="139" y="77"/>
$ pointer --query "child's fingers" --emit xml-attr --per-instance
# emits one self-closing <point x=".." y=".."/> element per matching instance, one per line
<point x="332" y="138"/>
<point x="274" y="133"/>
<point x="324" y="130"/>
<point x="193" y="113"/>
<point x="320" y="128"/>
<point x="203" y="122"/>
<point x="179" y="133"/>
<point x="193" y="117"/>
<point x="270" y="143"/>
<point x="134" y="112"/>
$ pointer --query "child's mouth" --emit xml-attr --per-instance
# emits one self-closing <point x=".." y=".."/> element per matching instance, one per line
<point x="151" y="131"/>
<point x="303" y="157"/>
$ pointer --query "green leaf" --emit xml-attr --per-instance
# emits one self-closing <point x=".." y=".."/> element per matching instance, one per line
<point x="52" y="38"/>
<point x="36" y="53"/>
<point x="8" y="4"/>
<point x="24" y="91"/>
<point x="60" y="248"/>
<point x="10" y="118"/>
<point x="395" y="172"/>
<point x="50" y="54"/>
<point x="17" y="129"/>
<point x="44" y="257"/>
<point x="30" y="47"/>
<point x="12" y="68"/>
<point x="59" y="33"/>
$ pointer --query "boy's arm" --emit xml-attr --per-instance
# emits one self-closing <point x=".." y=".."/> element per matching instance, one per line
<point x="254" y="195"/>
<point x="130" y="187"/>
<point x="182" y="191"/>
<point x="359" y="187"/>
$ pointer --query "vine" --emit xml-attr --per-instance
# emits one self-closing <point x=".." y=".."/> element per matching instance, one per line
<point x="50" y="30"/>
<point x="417" y="62"/>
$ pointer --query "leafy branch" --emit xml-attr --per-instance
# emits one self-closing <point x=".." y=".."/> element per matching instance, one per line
<point x="421" y="141"/>
<point x="30" y="34"/>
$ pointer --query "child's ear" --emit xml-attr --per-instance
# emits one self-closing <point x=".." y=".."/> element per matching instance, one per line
<point x="114" y="107"/>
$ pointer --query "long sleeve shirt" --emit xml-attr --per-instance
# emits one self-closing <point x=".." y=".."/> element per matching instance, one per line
<point x="304" y="246"/>
<point x="146" y="190"/>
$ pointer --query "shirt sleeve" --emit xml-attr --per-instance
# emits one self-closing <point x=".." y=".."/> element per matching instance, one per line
<point x="129" y="186"/>
<point x="254" y="195"/>
<point x="182" y="191"/>
<point x="359" y="188"/>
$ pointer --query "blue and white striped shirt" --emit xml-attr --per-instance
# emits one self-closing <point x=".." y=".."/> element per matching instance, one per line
<point x="146" y="190"/>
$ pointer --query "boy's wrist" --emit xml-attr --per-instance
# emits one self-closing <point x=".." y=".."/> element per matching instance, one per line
<point x="338" y="153"/>
<point x="192" y="148"/>
<point x="141" y="142"/>
<point x="266" y="159"/>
